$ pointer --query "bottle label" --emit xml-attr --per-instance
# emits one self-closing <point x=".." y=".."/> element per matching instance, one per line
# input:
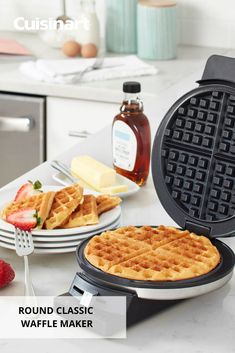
<point x="124" y="146"/>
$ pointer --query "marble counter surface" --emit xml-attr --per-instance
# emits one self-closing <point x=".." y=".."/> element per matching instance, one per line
<point x="189" y="60"/>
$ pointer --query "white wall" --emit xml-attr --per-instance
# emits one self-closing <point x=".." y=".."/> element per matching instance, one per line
<point x="207" y="22"/>
<point x="201" y="22"/>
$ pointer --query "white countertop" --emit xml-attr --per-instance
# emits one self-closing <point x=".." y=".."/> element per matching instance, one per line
<point x="174" y="77"/>
<point x="203" y="324"/>
<point x="189" y="60"/>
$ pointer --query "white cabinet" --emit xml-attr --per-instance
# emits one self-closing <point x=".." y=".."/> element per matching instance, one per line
<point x="69" y="121"/>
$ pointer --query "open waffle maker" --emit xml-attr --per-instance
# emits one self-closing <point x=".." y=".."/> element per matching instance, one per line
<point x="193" y="168"/>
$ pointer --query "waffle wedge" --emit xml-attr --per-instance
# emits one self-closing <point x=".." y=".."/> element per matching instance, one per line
<point x="106" y="203"/>
<point x="64" y="204"/>
<point x="106" y="250"/>
<point x="85" y="214"/>
<point x="41" y="202"/>
<point x="176" y="255"/>
<point x="155" y="237"/>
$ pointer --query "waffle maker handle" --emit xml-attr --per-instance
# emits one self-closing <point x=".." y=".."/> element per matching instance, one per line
<point x="220" y="69"/>
<point x="82" y="285"/>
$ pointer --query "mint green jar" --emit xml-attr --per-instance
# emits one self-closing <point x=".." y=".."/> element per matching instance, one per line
<point x="156" y="29"/>
<point x="121" y="26"/>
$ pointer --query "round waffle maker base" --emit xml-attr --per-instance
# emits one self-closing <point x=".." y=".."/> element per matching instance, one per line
<point x="166" y="290"/>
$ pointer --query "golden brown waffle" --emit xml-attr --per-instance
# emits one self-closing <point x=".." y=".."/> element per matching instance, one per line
<point x="65" y="202"/>
<point x="155" y="237"/>
<point x="41" y="202"/>
<point x="106" y="203"/>
<point x="85" y="214"/>
<point x="106" y="250"/>
<point x="180" y="255"/>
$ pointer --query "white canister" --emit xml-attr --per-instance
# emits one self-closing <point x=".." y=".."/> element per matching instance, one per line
<point x="156" y="28"/>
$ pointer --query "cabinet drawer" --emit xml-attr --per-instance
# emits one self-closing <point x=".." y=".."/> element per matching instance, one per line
<point x="22" y="127"/>
<point x="69" y="121"/>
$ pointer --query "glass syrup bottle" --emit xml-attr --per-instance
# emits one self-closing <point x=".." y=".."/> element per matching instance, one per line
<point x="131" y="137"/>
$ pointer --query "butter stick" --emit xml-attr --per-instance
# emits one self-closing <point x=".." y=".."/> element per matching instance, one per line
<point x="94" y="173"/>
<point x="116" y="189"/>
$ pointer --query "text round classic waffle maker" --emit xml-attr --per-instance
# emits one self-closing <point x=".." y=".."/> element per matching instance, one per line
<point x="193" y="167"/>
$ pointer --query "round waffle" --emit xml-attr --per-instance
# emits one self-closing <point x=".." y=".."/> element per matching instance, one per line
<point x="152" y="254"/>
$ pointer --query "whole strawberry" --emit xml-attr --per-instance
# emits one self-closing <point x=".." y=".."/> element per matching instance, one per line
<point x="26" y="219"/>
<point x="7" y="274"/>
<point x="27" y="190"/>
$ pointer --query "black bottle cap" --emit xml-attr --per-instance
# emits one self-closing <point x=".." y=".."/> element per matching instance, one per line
<point x="131" y="87"/>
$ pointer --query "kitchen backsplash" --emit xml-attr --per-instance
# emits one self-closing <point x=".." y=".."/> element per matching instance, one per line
<point x="201" y="22"/>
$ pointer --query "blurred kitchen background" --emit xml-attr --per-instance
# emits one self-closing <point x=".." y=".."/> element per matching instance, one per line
<point x="200" y="22"/>
<point x="44" y="107"/>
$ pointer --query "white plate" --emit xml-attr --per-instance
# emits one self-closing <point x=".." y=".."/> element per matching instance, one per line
<point x="105" y="219"/>
<point x="63" y="238"/>
<point x="41" y="250"/>
<point x="132" y="187"/>
<point x="40" y="242"/>
<point x="7" y="238"/>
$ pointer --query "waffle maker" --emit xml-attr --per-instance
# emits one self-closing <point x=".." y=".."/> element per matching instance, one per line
<point x="193" y="168"/>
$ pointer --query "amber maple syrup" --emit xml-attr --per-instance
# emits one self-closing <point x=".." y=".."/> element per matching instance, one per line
<point x="132" y="137"/>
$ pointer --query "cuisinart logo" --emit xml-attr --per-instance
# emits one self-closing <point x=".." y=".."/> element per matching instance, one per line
<point x="36" y="24"/>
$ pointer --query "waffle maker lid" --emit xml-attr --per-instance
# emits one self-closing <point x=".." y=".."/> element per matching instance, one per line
<point x="193" y="156"/>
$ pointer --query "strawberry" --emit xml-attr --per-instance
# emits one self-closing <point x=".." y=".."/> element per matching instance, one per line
<point x="7" y="274"/>
<point x="24" y="219"/>
<point x="28" y="190"/>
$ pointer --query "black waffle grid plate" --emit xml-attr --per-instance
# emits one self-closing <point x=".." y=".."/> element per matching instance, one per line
<point x="193" y="160"/>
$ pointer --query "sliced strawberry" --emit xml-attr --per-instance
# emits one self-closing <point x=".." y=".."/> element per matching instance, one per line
<point x="28" y="189"/>
<point x="7" y="274"/>
<point x="24" y="219"/>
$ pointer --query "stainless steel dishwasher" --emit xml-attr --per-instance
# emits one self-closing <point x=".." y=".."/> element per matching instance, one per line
<point x="22" y="134"/>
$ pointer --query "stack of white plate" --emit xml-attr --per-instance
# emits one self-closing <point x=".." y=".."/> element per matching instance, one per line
<point x="60" y="240"/>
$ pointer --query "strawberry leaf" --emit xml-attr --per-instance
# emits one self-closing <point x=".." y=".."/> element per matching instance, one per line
<point x="38" y="219"/>
<point x="37" y="185"/>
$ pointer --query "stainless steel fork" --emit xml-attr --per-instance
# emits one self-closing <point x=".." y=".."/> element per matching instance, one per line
<point x="98" y="63"/>
<point x="24" y="247"/>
